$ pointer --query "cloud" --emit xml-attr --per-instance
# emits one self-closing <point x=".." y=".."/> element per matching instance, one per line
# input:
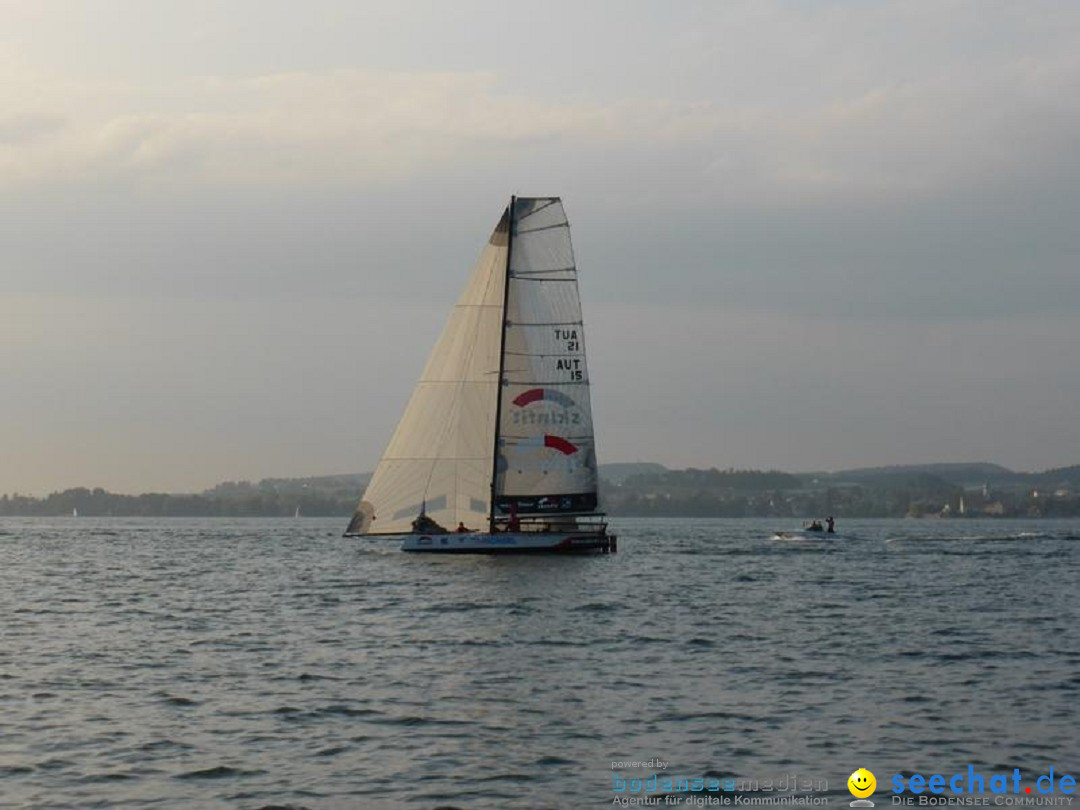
<point x="347" y="125"/>
<point x="908" y="137"/>
<point x="26" y="128"/>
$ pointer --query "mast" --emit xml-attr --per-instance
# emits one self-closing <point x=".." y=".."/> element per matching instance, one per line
<point x="502" y="360"/>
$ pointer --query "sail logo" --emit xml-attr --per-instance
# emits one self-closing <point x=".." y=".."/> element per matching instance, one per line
<point x="550" y="441"/>
<point x="545" y="395"/>
<point x="565" y="413"/>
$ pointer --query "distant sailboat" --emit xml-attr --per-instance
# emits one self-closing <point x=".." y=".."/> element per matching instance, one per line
<point x="297" y="514"/>
<point x="74" y="511"/>
<point x="495" y="450"/>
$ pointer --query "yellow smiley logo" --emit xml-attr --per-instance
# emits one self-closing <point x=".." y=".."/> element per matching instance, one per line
<point x="861" y="783"/>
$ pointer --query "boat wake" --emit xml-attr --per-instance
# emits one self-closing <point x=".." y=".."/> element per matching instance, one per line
<point x="974" y="538"/>
<point x="809" y="536"/>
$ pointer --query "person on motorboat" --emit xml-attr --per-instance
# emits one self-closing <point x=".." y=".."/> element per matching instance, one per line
<point x="830" y="527"/>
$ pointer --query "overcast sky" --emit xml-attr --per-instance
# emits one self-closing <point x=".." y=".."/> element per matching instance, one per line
<point x="810" y="235"/>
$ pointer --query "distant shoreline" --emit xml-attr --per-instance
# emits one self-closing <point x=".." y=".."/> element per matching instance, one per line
<point x="642" y="489"/>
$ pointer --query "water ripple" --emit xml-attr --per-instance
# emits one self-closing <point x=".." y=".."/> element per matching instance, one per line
<point x="273" y="664"/>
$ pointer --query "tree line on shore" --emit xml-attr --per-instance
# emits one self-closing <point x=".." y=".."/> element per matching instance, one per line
<point x="944" y="490"/>
<point x="932" y="490"/>
<point x="97" y="502"/>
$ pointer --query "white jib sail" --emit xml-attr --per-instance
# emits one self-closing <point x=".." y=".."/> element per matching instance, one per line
<point x="439" y="459"/>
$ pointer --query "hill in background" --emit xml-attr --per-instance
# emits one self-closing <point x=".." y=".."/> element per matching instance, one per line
<point x="642" y="489"/>
<point x="618" y="472"/>
<point x="917" y="490"/>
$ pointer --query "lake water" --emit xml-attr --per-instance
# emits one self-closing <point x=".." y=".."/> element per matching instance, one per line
<point x="272" y="663"/>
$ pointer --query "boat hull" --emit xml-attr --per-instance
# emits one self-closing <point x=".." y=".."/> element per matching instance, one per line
<point x="511" y="543"/>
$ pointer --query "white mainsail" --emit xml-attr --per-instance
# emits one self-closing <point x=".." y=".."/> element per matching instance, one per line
<point x="546" y="460"/>
<point x="520" y="317"/>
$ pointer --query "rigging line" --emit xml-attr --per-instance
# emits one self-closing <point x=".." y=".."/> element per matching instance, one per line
<point x="545" y="323"/>
<point x="437" y="458"/>
<point x="546" y="354"/>
<point x="552" y="383"/>
<point x="542" y="228"/>
<point x="569" y="269"/>
<point x="550" y="202"/>
<point x="570" y="437"/>
<point x="458" y="382"/>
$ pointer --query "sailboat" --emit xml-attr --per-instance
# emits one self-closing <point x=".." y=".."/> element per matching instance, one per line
<point x="495" y="449"/>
